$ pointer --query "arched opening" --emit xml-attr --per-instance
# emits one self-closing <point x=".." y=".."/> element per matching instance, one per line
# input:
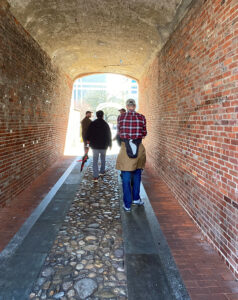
<point x="104" y="91"/>
<point x="186" y="64"/>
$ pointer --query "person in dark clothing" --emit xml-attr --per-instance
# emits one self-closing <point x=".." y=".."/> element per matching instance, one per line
<point x="84" y="125"/>
<point x="99" y="138"/>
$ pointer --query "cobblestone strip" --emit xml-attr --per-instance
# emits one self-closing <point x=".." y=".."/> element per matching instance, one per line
<point x="87" y="259"/>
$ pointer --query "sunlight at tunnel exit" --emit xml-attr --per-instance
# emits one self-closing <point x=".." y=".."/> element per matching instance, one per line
<point x="107" y="92"/>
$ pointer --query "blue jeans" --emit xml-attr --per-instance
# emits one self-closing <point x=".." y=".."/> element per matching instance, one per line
<point x="131" y="190"/>
<point x="96" y="153"/>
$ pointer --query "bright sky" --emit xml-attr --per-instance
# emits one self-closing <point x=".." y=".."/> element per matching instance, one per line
<point x="117" y="83"/>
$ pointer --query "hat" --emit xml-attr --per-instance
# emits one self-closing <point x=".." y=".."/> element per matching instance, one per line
<point x="122" y="109"/>
<point x="89" y="112"/>
<point x="130" y="102"/>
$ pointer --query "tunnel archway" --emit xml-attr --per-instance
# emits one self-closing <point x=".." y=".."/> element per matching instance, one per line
<point x="187" y="67"/>
<point x="93" y="92"/>
<point x="113" y="36"/>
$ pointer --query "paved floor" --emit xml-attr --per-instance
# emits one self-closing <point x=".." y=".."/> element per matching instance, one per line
<point x="86" y="260"/>
<point x="74" y="249"/>
<point x="204" y="272"/>
<point x="15" y="214"/>
<point x="205" y="275"/>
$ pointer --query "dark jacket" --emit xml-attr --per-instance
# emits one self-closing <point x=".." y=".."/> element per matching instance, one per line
<point x="99" y="135"/>
<point x="85" y="124"/>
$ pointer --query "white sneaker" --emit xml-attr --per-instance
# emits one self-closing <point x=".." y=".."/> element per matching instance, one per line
<point x="138" y="202"/>
<point x="127" y="209"/>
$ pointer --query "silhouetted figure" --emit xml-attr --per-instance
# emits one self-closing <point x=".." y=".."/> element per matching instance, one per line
<point x="85" y="124"/>
<point x="99" y="138"/>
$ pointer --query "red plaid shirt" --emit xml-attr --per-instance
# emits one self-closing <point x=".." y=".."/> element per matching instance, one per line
<point x="131" y="125"/>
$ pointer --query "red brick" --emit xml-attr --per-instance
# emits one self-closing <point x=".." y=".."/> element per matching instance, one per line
<point x="192" y="142"/>
<point x="26" y="88"/>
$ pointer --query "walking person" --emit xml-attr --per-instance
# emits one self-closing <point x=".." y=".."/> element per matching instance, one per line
<point x="99" y="138"/>
<point x="132" y="157"/>
<point x="84" y="125"/>
<point x="117" y="137"/>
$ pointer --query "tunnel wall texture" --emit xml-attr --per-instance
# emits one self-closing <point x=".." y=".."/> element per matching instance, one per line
<point x="34" y="107"/>
<point x="189" y="96"/>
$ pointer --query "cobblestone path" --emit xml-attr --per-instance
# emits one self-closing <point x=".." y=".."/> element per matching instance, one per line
<point x="87" y="259"/>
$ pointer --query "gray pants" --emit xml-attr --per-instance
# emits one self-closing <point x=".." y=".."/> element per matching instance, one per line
<point x="96" y="153"/>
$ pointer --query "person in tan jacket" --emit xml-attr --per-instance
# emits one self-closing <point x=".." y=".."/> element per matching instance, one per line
<point x="131" y="159"/>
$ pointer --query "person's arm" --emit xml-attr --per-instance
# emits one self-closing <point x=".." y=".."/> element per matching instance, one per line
<point x="86" y="129"/>
<point x="83" y="129"/>
<point x="88" y="133"/>
<point x="109" y="136"/>
<point x="118" y="126"/>
<point x="144" y="130"/>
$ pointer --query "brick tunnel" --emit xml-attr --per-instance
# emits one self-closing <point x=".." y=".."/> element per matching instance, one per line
<point x="184" y="54"/>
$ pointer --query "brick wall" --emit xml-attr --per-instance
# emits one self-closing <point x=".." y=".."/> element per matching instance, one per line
<point x="189" y="95"/>
<point x="34" y="106"/>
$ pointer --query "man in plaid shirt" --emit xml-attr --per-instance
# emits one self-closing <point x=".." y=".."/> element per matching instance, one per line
<point x="131" y="159"/>
<point x="131" y="125"/>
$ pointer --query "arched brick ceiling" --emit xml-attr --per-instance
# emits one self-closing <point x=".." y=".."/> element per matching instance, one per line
<point x="87" y="36"/>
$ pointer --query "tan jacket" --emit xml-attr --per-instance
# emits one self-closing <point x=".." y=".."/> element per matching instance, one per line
<point x="124" y="163"/>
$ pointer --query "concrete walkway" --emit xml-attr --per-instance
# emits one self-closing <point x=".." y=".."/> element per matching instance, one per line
<point x="79" y="244"/>
<point x="204" y="273"/>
